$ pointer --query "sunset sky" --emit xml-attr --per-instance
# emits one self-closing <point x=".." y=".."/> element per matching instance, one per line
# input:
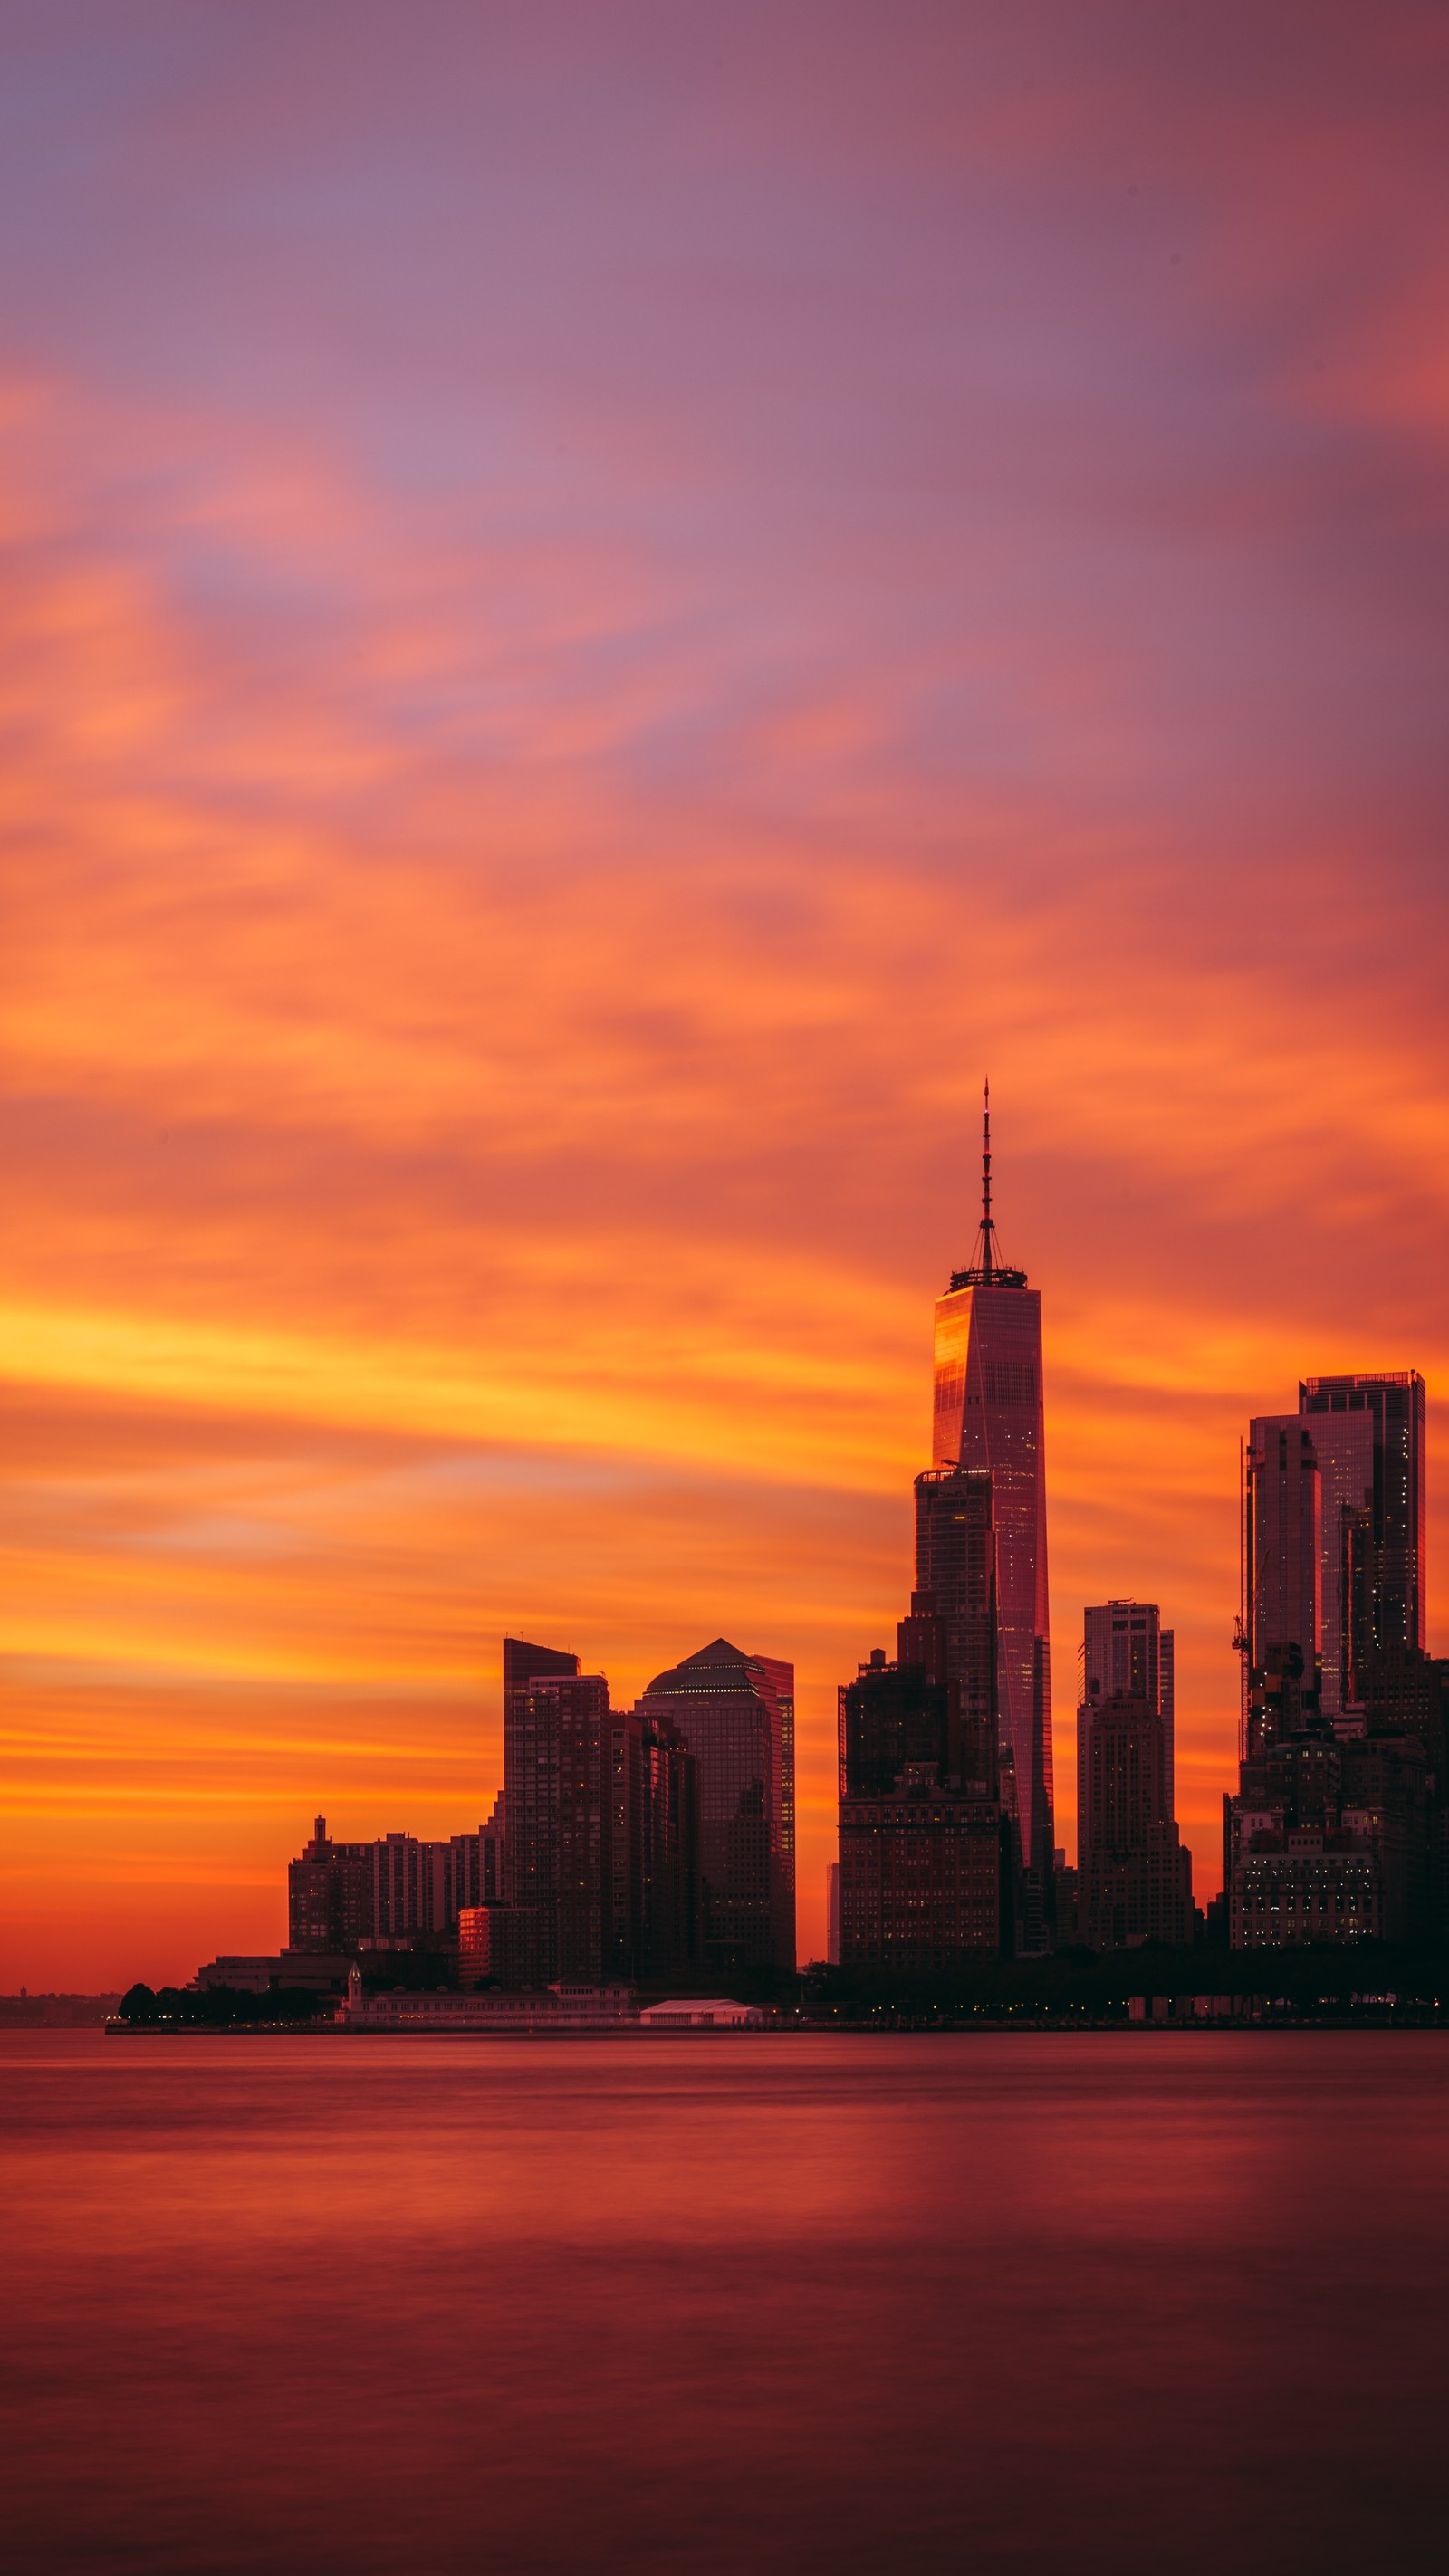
<point x="603" y="609"/>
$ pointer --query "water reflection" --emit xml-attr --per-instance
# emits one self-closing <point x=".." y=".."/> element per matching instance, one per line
<point x="1001" y="2302"/>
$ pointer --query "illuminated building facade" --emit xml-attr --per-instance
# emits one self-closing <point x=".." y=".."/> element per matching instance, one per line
<point x="499" y="1945"/>
<point x="736" y="1714"/>
<point x="988" y="1414"/>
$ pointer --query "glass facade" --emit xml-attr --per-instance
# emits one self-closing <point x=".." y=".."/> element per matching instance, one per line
<point x="1369" y="1440"/>
<point x="988" y="1413"/>
<point x="736" y="1713"/>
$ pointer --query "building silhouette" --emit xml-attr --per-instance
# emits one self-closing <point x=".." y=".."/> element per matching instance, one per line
<point x="1337" y="1828"/>
<point x="1282" y="1555"/>
<point x="988" y="1414"/>
<point x="394" y="1892"/>
<point x="926" y="1854"/>
<point x="606" y="1853"/>
<point x="1369" y="1441"/>
<point x="1133" y="1880"/>
<point x="650" y="1855"/>
<point x="735" y="1712"/>
<point x="1125" y="1653"/>
<point x="531" y="1784"/>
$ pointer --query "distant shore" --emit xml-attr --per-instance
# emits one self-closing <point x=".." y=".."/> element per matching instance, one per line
<point x="1417" y="2018"/>
<point x="55" y="2012"/>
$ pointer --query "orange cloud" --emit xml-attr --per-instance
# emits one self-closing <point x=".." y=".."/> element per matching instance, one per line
<point x="517" y="856"/>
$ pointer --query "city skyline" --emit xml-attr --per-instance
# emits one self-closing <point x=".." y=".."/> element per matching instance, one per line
<point x="724" y="1614"/>
<point x="565" y="701"/>
<point x="960" y="1363"/>
<point x="660" y="1841"/>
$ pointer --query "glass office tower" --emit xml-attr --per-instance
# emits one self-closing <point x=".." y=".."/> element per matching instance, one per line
<point x="736" y="1713"/>
<point x="1368" y="1438"/>
<point x="988" y="1413"/>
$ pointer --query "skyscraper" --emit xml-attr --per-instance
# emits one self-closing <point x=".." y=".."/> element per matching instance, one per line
<point x="924" y="1881"/>
<point x="530" y="1777"/>
<point x="988" y="1413"/>
<point x="1125" y="1653"/>
<point x="1134" y="1879"/>
<point x="1369" y="1441"/>
<point x="736" y="1713"/>
<point x="952" y="1629"/>
<point x="651" y="1852"/>
<point x="1283" y="1579"/>
<point x="1332" y="1833"/>
<point x="573" y="1715"/>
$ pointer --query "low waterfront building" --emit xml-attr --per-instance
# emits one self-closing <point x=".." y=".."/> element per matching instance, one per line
<point x="693" y="2012"/>
<point x="258" y="1972"/>
<point x="559" y="2011"/>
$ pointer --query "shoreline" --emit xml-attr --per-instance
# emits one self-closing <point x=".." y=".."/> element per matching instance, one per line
<point x="1241" y="2024"/>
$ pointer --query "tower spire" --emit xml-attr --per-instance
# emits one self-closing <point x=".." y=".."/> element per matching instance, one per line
<point x="987" y="1228"/>
<point x="987" y="1270"/>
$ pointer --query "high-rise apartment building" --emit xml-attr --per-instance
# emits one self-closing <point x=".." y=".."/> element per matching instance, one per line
<point x="1335" y="1832"/>
<point x="395" y="1891"/>
<point x="1369" y="1441"/>
<point x="736" y="1714"/>
<point x="1283" y="1579"/>
<point x="492" y="1857"/>
<point x="651" y="1926"/>
<point x="1135" y="1880"/>
<point x="573" y="1726"/>
<point x="952" y="1632"/>
<point x="988" y="1414"/>
<point x="1125" y="1653"/>
<point x="530" y="1775"/>
<point x="668" y="1939"/>
<point x="607" y="1856"/>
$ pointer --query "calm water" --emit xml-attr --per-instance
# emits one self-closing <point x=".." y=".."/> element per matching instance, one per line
<point x="1148" y="2301"/>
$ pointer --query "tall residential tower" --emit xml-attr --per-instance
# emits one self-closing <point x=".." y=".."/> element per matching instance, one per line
<point x="1126" y="1653"/>
<point x="1368" y="1439"/>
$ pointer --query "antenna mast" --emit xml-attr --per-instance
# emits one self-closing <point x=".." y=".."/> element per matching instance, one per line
<point x="987" y="1270"/>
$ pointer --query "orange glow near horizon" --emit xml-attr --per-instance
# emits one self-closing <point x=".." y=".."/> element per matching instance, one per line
<point x="537" y="784"/>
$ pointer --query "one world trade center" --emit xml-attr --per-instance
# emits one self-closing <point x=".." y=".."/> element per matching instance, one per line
<point x="988" y="1413"/>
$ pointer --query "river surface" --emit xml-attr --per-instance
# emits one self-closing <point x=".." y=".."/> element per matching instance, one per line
<point x="1117" y="2302"/>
